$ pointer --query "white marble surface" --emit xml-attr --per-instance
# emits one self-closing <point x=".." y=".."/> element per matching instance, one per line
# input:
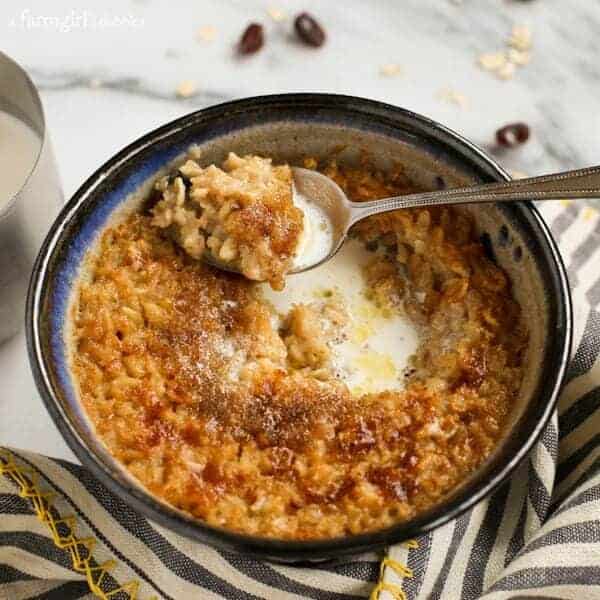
<point x="108" y="72"/>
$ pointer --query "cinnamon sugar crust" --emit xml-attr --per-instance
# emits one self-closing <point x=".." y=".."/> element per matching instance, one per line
<point x="239" y="420"/>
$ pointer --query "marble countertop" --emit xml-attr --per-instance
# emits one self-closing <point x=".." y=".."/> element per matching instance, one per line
<point x="109" y="71"/>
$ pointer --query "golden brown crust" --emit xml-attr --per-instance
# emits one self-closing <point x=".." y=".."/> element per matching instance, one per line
<point x="217" y="412"/>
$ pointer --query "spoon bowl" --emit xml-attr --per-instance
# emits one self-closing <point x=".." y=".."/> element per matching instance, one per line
<point x="331" y="203"/>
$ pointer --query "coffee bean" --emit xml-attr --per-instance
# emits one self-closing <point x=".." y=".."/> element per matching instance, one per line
<point x="512" y="135"/>
<point x="252" y="39"/>
<point x="309" y="31"/>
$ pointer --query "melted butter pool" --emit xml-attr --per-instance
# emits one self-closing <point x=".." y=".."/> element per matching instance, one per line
<point x="374" y="353"/>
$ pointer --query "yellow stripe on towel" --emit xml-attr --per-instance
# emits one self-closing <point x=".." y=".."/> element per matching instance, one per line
<point x="401" y="570"/>
<point x="80" y="549"/>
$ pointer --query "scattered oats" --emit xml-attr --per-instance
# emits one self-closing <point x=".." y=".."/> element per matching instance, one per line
<point x="589" y="213"/>
<point x="390" y="70"/>
<point x="186" y="89"/>
<point x="504" y="62"/>
<point x="206" y="33"/>
<point x="453" y="97"/>
<point x="492" y="61"/>
<point x="507" y="71"/>
<point x="95" y="83"/>
<point x="518" y="175"/>
<point x="518" y="57"/>
<point x="520" y="38"/>
<point x="276" y="14"/>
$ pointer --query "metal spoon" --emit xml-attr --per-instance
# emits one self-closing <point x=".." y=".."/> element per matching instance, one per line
<point x="342" y="213"/>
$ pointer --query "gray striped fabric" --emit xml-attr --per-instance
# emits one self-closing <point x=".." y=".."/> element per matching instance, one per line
<point x="537" y="536"/>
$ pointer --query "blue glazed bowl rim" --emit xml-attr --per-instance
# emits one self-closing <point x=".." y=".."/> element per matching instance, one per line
<point x="310" y="550"/>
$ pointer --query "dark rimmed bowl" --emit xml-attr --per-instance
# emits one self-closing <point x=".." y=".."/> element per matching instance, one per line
<point x="288" y="127"/>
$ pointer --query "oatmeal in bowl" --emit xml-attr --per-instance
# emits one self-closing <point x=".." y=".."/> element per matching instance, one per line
<point x="235" y="412"/>
<point x="297" y="415"/>
<point x="241" y="213"/>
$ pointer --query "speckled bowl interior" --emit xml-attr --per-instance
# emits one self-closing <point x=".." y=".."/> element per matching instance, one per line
<point x="289" y="128"/>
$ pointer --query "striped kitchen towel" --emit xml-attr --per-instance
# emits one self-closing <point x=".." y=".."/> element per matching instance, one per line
<point x="64" y="536"/>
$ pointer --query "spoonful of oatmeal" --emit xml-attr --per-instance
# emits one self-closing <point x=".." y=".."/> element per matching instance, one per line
<point x="266" y="221"/>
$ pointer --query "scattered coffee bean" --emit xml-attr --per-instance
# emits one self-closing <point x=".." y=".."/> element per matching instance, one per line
<point x="512" y="135"/>
<point x="252" y="39"/>
<point x="309" y="31"/>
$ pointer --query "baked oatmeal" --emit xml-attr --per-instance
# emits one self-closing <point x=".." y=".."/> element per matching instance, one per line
<point x="237" y="415"/>
<point x="242" y="214"/>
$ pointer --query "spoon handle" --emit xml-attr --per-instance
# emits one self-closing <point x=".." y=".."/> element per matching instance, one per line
<point x="581" y="183"/>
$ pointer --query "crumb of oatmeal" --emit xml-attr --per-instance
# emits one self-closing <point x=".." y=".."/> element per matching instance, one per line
<point x="206" y="33"/>
<point x="520" y="38"/>
<point x="492" y="61"/>
<point x="304" y="339"/>
<point x="310" y="163"/>
<point x="453" y="97"/>
<point x="390" y="70"/>
<point x="186" y="89"/>
<point x="507" y="71"/>
<point x="504" y="63"/>
<point x="518" y="57"/>
<point x="194" y="152"/>
<point x="276" y="14"/>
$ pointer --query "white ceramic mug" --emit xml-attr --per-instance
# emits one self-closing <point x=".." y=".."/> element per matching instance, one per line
<point x="29" y="204"/>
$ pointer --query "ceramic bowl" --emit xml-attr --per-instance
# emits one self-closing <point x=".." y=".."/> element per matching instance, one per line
<point x="288" y="127"/>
